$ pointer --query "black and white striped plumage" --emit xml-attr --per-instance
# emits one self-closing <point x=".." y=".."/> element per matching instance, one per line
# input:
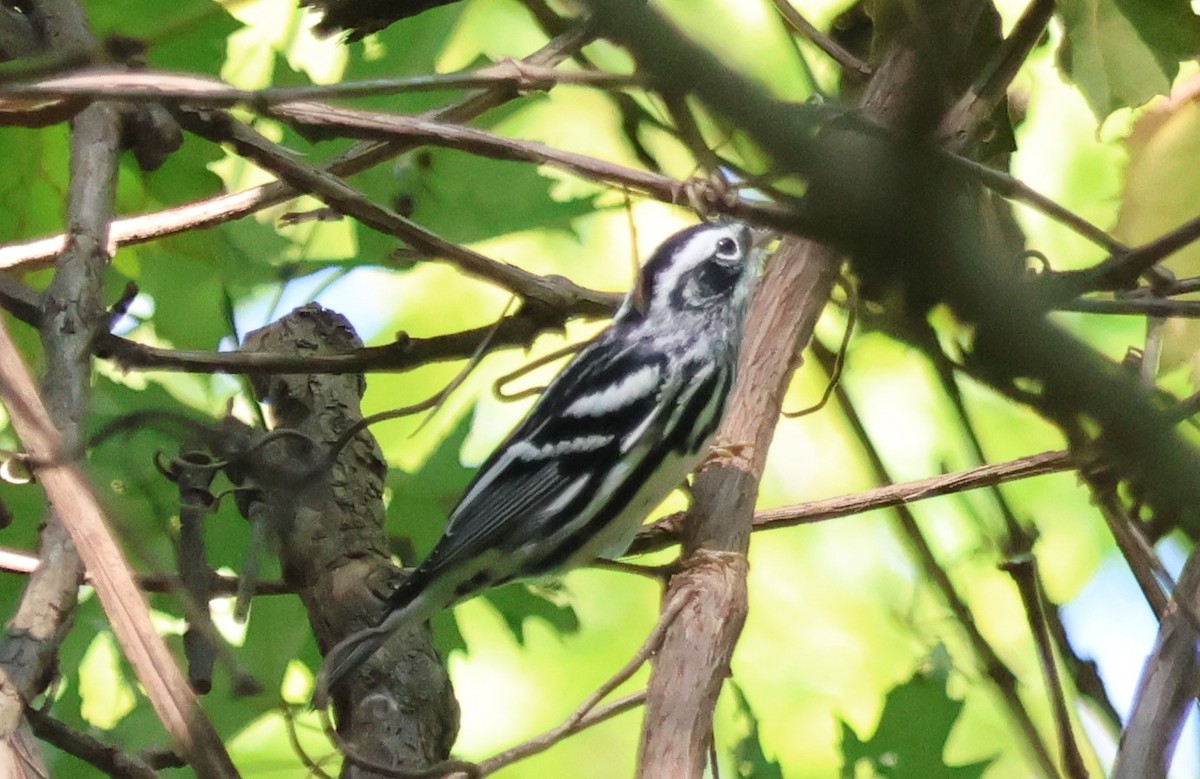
<point x="613" y="434"/>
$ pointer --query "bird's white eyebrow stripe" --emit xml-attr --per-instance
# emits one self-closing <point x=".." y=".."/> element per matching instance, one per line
<point x="698" y="248"/>
<point x="628" y="390"/>
<point x="523" y="450"/>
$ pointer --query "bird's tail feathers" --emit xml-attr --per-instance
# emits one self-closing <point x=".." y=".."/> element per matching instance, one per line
<point x="355" y="649"/>
<point x="344" y="658"/>
<point x="417" y="599"/>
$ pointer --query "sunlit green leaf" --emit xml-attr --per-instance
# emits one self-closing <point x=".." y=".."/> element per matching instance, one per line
<point x="748" y="758"/>
<point x="438" y="188"/>
<point x="1107" y="57"/>
<point x="911" y="736"/>
<point x="519" y="602"/>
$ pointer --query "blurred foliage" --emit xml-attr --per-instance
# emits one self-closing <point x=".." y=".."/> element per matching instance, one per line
<point x="845" y="636"/>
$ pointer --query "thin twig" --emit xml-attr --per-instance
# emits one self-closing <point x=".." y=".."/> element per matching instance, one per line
<point x="1023" y="570"/>
<point x="548" y="739"/>
<point x="108" y="759"/>
<point x="1008" y="186"/>
<point x="498" y="385"/>
<point x="1148" y="571"/>
<point x="839" y="362"/>
<point x="1122" y="269"/>
<point x="157" y="86"/>
<point x="661" y="534"/>
<point x="314" y="768"/>
<point x="819" y="39"/>
<point x="1179" y="309"/>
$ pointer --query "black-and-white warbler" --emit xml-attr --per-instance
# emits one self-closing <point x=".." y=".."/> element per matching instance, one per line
<point x="619" y="428"/>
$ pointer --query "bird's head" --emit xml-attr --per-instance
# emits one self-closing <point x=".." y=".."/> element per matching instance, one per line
<point x="706" y="269"/>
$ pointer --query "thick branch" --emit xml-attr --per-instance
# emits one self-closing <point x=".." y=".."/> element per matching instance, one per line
<point x="72" y="314"/>
<point x="1167" y="690"/>
<point x="694" y="660"/>
<point x="399" y="710"/>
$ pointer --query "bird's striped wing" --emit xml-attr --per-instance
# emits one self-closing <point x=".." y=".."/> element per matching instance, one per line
<point x="552" y="465"/>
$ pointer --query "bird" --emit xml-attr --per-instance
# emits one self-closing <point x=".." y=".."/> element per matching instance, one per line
<point x="619" y="428"/>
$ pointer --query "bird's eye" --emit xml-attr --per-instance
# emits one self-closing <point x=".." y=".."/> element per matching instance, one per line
<point x="727" y="249"/>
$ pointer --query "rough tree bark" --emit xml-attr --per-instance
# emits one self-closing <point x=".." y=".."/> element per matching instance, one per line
<point x="73" y="315"/>
<point x="696" y="652"/>
<point x="399" y="709"/>
<point x="694" y="660"/>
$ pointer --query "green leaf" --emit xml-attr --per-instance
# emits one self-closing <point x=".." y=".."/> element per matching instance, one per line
<point x="913" y="728"/>
<point x="749" y="760"/>
<point x="188" y="276"/>
<point x="181" y="35"/>
<point x="518" y="602"/>
<point x="409" y="47"/>
<point x="1169" y="27"/>
<point x="1109" y="58"/>
<point x="422" y="500"/>
<point x="466" y="198"/>
<point x="33" y="189"/>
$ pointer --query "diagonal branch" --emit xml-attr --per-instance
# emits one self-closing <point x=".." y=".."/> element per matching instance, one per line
<point x="190" y="730"/>
<point x="666" y="531"/>
<point x="323" y="119"/>
<point x="72" y="314"/>
<point x="556" y="293"/>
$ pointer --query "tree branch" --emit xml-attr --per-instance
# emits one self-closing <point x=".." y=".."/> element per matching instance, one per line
<point x="72" y="314"/>
<point x="666" y="531"/>
<point x="991" y="88"/>
<point x="156" y="86"/>
<point x="559" y="294"/>
<point x="694" y="659"/>
<point x="323" y="119"/>
<point x="106" y="758"/>
<point x="168" y="691"/>
<point x="225" y="208"/>
<point x="797" y="22"/>
<point x="1167" y="689"/>
<point x="398" y="710"/>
